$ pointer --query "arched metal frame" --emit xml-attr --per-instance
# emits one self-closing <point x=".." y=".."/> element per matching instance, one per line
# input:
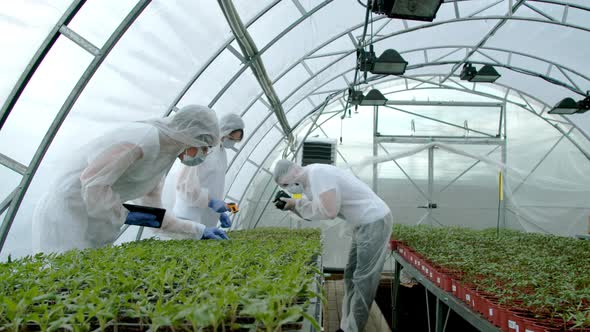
<point x="505" y="99"/>
<point x="16" y="196"/>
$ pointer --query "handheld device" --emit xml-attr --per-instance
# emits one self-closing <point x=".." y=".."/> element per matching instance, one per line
<point x="232" y="207"/>
<point x="277" y="200"/>
<point x="149" y="210"/>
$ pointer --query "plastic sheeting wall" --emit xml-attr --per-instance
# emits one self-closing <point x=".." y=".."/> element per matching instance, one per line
<point x="183" y="52"/>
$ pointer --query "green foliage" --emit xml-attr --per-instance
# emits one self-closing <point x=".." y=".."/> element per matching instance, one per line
<point x="545" y="274"/>
<point x="261" y="279"/>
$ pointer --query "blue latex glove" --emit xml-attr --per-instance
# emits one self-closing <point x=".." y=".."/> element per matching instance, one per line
<point x="142" y="219"/>
<point x="218" y="205"/>
<point x="213" y="233"/>
<point x="224" y="220"/>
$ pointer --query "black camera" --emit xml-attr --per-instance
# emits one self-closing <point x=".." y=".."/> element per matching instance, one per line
<point x="278" y="202"/>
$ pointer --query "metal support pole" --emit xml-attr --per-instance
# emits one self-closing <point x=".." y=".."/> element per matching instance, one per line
<point x="139" y="233"/>
<point x="375" y="148"/>
<point x="427" y="309"/>
<point x="12" y="164"/>
<point x="395" y="302"/>
<point x="430" y="183"/>
<point x="505" y="162"/>
<point x="441" y="321"/>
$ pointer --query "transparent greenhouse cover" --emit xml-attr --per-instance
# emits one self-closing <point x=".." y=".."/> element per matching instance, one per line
<point x="175" y="53"/>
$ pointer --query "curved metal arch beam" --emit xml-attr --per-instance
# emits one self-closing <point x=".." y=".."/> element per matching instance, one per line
<point x="339" y="75"/>
<point x="344" y="55"/>
<point x="37" y="59"/>
<point x="303" y="119"/>
<point x="564" y="4"/>
<point x="471" y="91"/>
<point x="327" y="43"/>
<point x="485" y="38"/>
<point x="501" y="50"/>
<point x="440" y="86"/>
<point x="391" y="35"/>
<point x="216" y="54"/>
<point x="63" y="113"/>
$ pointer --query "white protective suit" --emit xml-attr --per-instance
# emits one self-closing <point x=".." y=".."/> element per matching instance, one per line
<point x="196" y="185"/>
<point x="331" y="192"/>
<point x="84" y="208"/>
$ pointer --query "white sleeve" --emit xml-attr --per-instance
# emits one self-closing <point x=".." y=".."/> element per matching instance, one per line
<point x="188" y="187"/>
<point x="171" y="223"/>
<point x="325" y="206"/>
<point x="98" y="177"/>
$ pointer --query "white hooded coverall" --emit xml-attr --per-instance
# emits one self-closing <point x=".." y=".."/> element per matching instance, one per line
<point x="84" y="208"/>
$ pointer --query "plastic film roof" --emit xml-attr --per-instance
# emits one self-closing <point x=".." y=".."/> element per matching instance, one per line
<point x="115" y="61"/>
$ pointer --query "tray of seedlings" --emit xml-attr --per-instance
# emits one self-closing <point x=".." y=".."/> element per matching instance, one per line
<point x="518" y="281"/>
<point x="260" y="280"/>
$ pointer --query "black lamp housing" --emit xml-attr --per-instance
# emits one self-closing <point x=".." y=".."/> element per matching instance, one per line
<point x="374" y="98"/>
<point x="467" y="72"/>
<point x="569" y="106"/>
<point x="354" y="97"/>
<point x="487" y="74"/>
<point x="388" y="63"/>
<point x="419" y="10"/>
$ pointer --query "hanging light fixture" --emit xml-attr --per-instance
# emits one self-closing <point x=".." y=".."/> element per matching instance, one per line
<point x="354" y="97"/>
<point x="374" y="98"/>
<point x="420" y="10"/>
<point x="570" y="106"/>
<point x="467" y="72"/>
<point x="389" y="62"/>
<point x="487" y="74"/>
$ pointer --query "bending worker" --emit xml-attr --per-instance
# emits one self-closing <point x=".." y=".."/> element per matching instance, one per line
<point x="330" y="192"/>
<point x="199" y="190"/>
<point x="84" y="208"/>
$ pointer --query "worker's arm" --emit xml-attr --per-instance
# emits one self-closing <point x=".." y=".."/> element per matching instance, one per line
<point x="97" y="178"/>
<point x="188" y="187"/>
<point x="171" y="223"/>
<point x="325" y="206"/>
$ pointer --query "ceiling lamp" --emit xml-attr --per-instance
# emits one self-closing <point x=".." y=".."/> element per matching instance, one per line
<point x="388" y="63"/>
<point x="487" y="74"/>
<point x="570" y="106"/>
<point x="354" y="97"/>
<point x="374" y="98"/>
<point x="420" y="10"/>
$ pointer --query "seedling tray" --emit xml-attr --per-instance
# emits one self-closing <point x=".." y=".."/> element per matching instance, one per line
<point x="263" y="279"/>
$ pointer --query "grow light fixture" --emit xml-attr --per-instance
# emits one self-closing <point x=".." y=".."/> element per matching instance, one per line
<point x="570" y="106"/>
<point x="354" y="97"/>
<point x="487" y="74"/>
<point x="420" y="10"/>
<point x="374" y="98"/>
<point x="389" y="62"/>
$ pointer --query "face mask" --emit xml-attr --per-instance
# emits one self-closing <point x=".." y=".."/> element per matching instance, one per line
<point x="295" y="188"/>
<point x="193" y="161"/>
<point x="228" y="143"/>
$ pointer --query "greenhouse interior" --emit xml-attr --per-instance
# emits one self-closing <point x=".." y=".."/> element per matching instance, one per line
<point x="353" y="165"/>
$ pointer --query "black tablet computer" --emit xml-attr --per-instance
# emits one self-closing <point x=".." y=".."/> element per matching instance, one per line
<point x="158" y="212"/>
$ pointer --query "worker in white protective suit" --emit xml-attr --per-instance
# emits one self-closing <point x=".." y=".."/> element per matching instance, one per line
<point x="199" y="190"/>
<point x="330" y="192"/>
<point x="84" y="208"/>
